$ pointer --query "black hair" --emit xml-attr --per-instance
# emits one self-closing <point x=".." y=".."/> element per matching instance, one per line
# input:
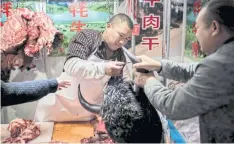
<point x="221" y="11"/>
<point x="122" y="18"/>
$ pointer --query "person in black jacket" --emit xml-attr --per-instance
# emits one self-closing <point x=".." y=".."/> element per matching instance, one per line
<point x="14" y="93"/>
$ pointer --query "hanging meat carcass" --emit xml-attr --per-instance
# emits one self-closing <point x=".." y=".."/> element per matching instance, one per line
<point x="23" y="36"/>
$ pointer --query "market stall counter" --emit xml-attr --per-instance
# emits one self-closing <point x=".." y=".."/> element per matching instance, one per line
<point x="72" y="132"/>
<point x="26" y="131"/>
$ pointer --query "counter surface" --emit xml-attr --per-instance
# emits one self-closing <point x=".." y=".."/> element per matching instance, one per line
<point x="72" y="132"/>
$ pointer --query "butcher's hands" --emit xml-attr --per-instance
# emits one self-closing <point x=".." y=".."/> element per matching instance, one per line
<point x="148" y="63"/>
<point x="63" y="84"/>
<point x="142" y="78"/>
<point x="114" y="68"/>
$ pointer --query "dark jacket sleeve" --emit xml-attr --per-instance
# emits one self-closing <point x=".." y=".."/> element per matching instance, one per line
<point x="21" y="92"/>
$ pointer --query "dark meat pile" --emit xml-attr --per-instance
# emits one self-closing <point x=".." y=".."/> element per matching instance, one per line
<point x="100" y="134"/>
<point x="22" y="131"/>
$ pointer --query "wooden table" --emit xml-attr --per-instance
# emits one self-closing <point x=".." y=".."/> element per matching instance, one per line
<point x="72" y="132"/>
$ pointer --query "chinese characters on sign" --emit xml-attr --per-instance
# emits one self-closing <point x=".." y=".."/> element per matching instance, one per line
<point x="149" y="41"/>
<point x="5" y="8"/>
<point x="76" y="26"/>
<point x="152" y="2"/>
<point x="151" y="21"/>
<point x="80" y="7"/>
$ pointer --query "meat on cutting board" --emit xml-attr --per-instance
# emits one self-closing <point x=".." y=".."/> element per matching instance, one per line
<point x="22" y="131"/>
<point x="55" y="142"/>
<point x="100" y="134"/>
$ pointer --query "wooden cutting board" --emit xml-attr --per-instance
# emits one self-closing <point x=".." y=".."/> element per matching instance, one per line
<point x="72" y="132"/>
<point x="46" y="132"/>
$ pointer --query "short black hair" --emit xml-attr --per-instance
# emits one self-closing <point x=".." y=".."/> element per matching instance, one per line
<point x="221" y="11"/>
<point x="122" y="18"/>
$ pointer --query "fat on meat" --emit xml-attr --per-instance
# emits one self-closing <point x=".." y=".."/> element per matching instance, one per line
<point x="22" y="131"/>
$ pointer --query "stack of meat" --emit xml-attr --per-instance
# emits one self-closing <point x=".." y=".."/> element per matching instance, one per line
<point x="22" y="131"/>
<point x="55" y="142"/>
<point x="23" y="36"/>
<point x="30" y="31"/>
<point x="100" y="134"/>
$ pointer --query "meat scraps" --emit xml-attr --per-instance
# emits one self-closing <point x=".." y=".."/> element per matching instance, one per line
<point x="22" y="131"/>
<point x="17" y="126"/>
<point x="55" y="142"/>
<point x="100" y="134"/>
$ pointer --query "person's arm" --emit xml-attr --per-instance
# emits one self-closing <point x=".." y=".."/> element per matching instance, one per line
<point x="21" y="92"/>
<point x="79" y="50"/>
<point x="209" y="88"/>
<point x="87" y="69"/>
<point x="177" y="71"/>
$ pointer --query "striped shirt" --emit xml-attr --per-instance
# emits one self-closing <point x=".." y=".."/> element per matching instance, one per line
<point x="85" y="42"/>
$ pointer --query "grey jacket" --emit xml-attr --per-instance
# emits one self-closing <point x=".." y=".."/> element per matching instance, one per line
<point x="208" y="93"/>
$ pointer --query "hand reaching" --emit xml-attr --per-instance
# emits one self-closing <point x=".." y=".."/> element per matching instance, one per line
<point x="63" y="84"/>
<point x="148" y="63"/>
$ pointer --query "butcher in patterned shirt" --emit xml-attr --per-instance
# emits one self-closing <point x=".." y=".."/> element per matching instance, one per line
<point x="107" y="45"/>
<point x="92" y="58"/>
<point x="208" y="91"/>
